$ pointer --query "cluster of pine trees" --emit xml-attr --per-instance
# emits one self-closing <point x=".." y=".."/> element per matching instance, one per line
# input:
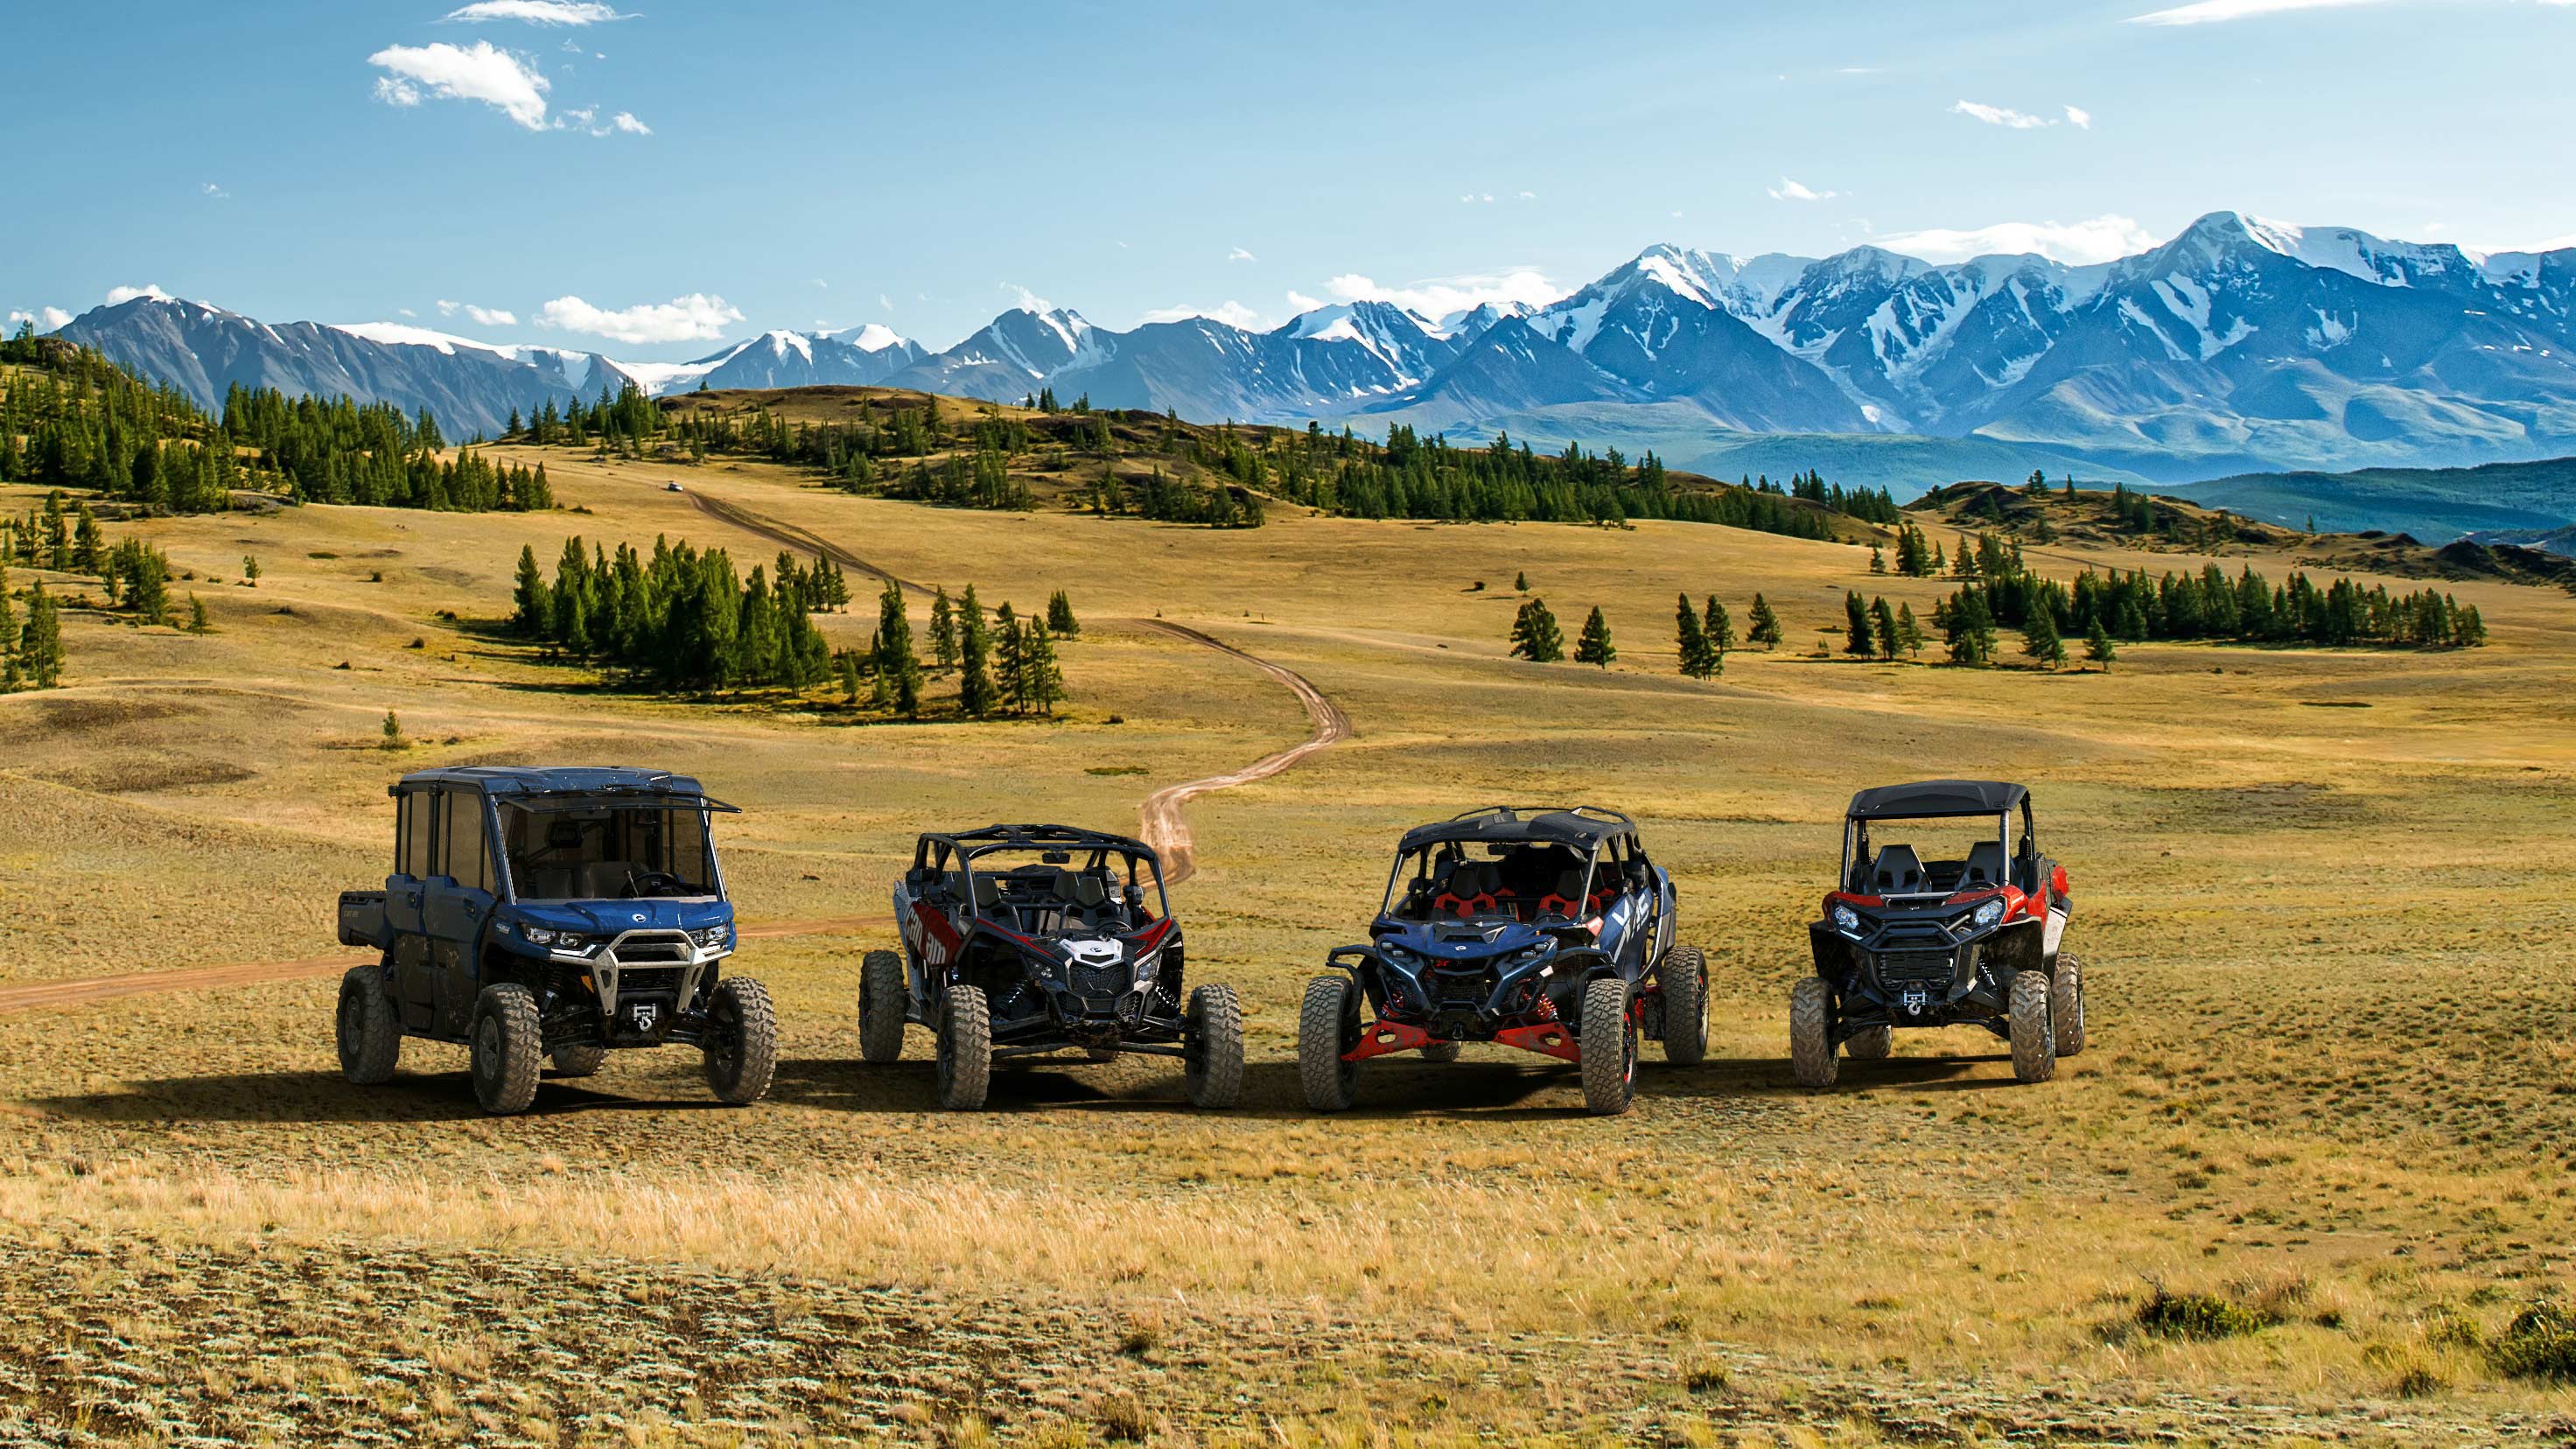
<point x="1006" y="665"/>
<point x="87" y="423"/>
<point x="1537" y="638"/>
<point x="681" y="619"/>
<point x="31" y="654"/>
<point x="1873" y="630"/>
<point x="1702" y="635"/>
<point x="1869" y="506"/>
<point x="1168" y="500"/>
<point x="2107" y="608"/>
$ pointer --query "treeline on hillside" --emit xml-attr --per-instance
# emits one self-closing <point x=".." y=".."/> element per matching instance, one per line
<point x="2204" y="606"/>
<point x="80" y="421"/>
<point x="682" y="619"/>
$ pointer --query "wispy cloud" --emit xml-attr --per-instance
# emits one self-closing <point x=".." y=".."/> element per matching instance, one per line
<point x="2080" y="118"/>
<point x="118" y="296"/>
<point x="1300" y="302"/>
<point x="479" y="72"/>
<point x="1229" y="312"/>
<point x="215" y="193"/>
<point x="1437" y="296"/>
<point x="2212" y="12"/>
<point x="1789" y="190"/>
<point x="539" y="12"/>
<point x="698" y="317"/>
<point x="2081" y="243"/>
<point x="1238" y="254"/>
<point x="625" y="121"/>
<point x="2000" y="116"/>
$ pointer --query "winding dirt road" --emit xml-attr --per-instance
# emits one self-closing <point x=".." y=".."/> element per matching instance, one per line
<point x="1162" y="824"/>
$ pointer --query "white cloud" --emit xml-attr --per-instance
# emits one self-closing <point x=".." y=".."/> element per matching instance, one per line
<point x="625" y="121"/>
<point x="493" y="316"/>
<point x="1529" y="196"/>
<point x="447" y="308"/>
<point x="696" y="317"/>
<point x="539" y="12"/>
<point x="2211" y="12"/>
<point x="885" y="301"/>
<point x="406" y="311"/>
<point x="1789" y="190"/>
<point x="2080" y="118"/>
<point x="2104" y="238"/>
<point x="1238" y="254"/>
<point x="45" y="319"/>
<point x="2000" y="116"/>
<point x="117" y="296"/>
<point x="1438" y="296"/>
<point x="1856" y="70"/>
<point x="1300" y="302"/>
<point x="1231" y="313"/>
<point x="216" y="192"/>
<point x="480" y="72"/>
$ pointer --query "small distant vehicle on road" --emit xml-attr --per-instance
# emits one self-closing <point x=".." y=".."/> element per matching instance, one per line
<point x="1965" y="939"/>
<point x="551" y="913"/>
<point x="1542" y="928"/>
<point x="1022" y="941"/>
<point x="673" y="487"/>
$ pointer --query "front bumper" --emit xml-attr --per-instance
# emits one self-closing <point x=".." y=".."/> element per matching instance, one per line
<point x="646" y="983"/>
<point x="1451" y="999"/>
<point x="1901" y="974"/>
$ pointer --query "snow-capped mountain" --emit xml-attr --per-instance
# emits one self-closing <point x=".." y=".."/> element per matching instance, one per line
<point x="2240" y="344"/>
<point x="468" y="385"/>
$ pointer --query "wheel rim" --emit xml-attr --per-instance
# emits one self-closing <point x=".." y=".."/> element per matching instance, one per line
<point x="487" y="1051"/>
<point x="352" y="1023"/>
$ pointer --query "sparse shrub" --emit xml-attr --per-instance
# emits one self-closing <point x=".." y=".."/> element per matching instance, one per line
<point x="1123" y="1419"/>
<point x="2199" y="1315"/>
<point x="393" y="735"/>
<point x="2540" y="1343"/>
<point x="1704" y="1376"/>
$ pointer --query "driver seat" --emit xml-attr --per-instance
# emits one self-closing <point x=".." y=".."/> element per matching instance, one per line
<point x="1985" y="865"/>
<point x="1898" y="871"/>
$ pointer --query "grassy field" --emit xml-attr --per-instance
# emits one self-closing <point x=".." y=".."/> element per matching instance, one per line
<point x="2320" y="896"/>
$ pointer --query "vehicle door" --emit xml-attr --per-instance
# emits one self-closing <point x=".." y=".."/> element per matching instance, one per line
<point x="1654" y="888"/>
<point x="406" y="896"/>
<point x="1623" y="915"/>
<point x="459" y="902"/>
<point x="930" y="933"/>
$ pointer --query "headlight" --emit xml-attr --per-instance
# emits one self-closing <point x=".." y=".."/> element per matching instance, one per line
<point x="1846" y="919"/>
<point x="537" y="935"/>
<point x="1523" y="957"/>
<point x="1399" y="957"/>
<point x="1989" y="913"/>
<point x="713" y="938"/>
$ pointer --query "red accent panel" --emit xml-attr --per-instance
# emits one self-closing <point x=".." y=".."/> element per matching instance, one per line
<point x="1547" y="1041"/>
<point x="1851" y="898"/>
<point x="935" y="924"/>
<point x="1385" y="1037"/>
<point x="1152" y="936"/>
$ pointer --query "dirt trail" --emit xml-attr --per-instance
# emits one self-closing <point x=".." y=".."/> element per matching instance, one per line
<point x="1164" y="827"/>
<point x="790" y="536"/>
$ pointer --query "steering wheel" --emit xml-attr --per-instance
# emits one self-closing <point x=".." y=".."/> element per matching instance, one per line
<point x="654" y="882"/>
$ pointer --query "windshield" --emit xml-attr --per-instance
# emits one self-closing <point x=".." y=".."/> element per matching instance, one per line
<point x="1516" y="882"/>
<point x="591" y="850"/>
<point x="1940" y="856"/>
<point x="1050" y="891"/>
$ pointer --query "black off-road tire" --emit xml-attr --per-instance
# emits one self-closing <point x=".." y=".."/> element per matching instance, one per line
<point x="1609" y="1048"/>
<point x="1684" y="1029"/>
<point x="884" y="996"/>
<point x="742" y="1041"/>
<point x="1872" y="1044"/>
<point x="2066" y="1005"/>
<point x="577" y="1060"/>
<point x="1212" y="1048"/>
<point x="2034" y="1036"/>
<point x="965" y="1050"/>
<point x="370" y="1037"/>
<point x="1328" y="1024"/>
<point x="1443" y="1051"/>
<point x="1811" y="1044"/>
<point x="506" y="1049"/>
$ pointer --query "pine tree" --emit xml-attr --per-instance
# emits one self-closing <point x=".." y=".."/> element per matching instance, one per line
<point x="2098" y="646"/>
<point x="1877" y="560"/>
<point x="89" y="546"/>
<point x="531" y="608"/>
<point x="1535" y="636"/>
<point x="943" y="630"/>
<point x="1698" y="655"/>
<point x="1045" y="679"/>
<point x="1766" y="625"/>
<point x="1593" y="645"/>
<point x="1010" y="659"/>
<point x="1520" y="581"/>
<point x="250" y="569"/>
<point x="1719" y="627"/>
<point x="846" y="665"/>
<point x="974" y="678"/>
<point x="1059" y="617"/>
<point x="1909" y="634"/>
<point x="2039" y="636"/>
<point x="1970" y="629"/>
<point x="8" y="612"/>
<point x="1882" y="621"/>
<point x="1858" y="637"/>
<point x="895" y="661"/>
<point x="391" y="733"/>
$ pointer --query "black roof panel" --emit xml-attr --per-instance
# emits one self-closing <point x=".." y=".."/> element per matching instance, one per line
<point x="1925" y="799"/>
<point x="1583" y="826"/>
<point x="558" y="779"/>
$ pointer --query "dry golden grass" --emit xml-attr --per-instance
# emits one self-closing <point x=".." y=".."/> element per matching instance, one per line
<point x="2330" y="1077"/>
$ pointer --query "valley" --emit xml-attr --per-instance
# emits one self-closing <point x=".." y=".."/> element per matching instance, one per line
<point x="2319" y="1094"/>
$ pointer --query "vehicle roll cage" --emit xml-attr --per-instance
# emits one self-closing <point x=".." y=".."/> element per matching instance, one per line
<point x="1857" y="855"/>
<point x="1587" y="828"/>
<point x="968" y="846"/>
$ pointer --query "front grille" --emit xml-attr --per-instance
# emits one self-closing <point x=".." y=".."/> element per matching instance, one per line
<point x="1914" y="966"/>
<point x="646" y="980"/>
<point x="1095" y="981"/>
<point x="652" y="948"/>
<point x="1461" y="988"/>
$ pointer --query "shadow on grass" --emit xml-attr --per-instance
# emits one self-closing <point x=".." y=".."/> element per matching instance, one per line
<point x="285" y="1097"/>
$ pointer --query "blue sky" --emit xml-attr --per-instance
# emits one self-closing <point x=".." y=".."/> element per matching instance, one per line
<point x="794" y="163"/>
